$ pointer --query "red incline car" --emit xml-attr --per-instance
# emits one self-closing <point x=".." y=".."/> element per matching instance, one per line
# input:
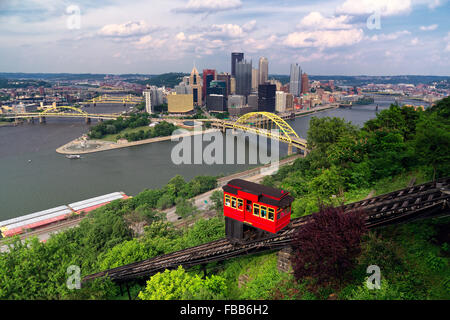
<point x="248" y="206"/>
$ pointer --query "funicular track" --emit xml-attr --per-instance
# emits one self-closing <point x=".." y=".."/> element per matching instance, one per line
<point x="416" y="202"/>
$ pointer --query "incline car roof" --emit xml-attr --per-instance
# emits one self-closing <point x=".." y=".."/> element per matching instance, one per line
<point x="257" y="189"/>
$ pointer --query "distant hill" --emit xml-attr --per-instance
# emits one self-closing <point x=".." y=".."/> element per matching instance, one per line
<point x="173" y="78"/>
<point x="362" y="80"/>
<point x="52" y="76"/>
<point x="166" y="79"/>
<point x="12" y="84"/>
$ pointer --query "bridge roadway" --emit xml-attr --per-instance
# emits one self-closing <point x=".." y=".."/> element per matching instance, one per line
<point x="63" y="115"/>
<point x="412" y="203"/>
<point x="292" y="141"/>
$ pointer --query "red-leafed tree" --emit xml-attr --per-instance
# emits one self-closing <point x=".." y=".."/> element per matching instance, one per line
<point x="326" y="247"/>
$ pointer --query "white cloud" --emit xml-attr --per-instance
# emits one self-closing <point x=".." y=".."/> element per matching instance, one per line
<point x="316" y="56"/>
<point x="254" y="45"/>
<point x="384" y="7"/>
<point x="180" y="36"/>
<point x="315" y="20"/>
<point x="225" y="30"/>
<point x="218" y="37"/>
<point x="389" y="36"/>
<point x="209" y="6"/>
<point x="432" y="4"/>
<point x="219" y="31"/>
<point x="209" y="47"/>
<point x="324" y="39"/>
<point x="415" y="41"/>
<point x="131" y="28"/>
<point x="429" y="28"/>
<point x="148" y="41"/>
<point x="447" y="39"/>
<point x="249" y="26"/>
<point x="144" y="40"/>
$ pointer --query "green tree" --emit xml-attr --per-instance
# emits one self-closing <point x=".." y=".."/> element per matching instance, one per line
<point x="217" y="201"/>
<point x="205" y="231"/>
<point x="124" y="253"/>
<point x="328" y="183"/>
<point x="325" y="132"/>
<point x="178" y="183"/>
<point x="180" y="285"/>
<point x="441" y="108"/>
<point x="432" y="144"/>
<point x="185" y="207"/>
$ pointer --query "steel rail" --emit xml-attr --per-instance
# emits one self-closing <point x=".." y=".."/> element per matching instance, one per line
<point x="422" y="201"/>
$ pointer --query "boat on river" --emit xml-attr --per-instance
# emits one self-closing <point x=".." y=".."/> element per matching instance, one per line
<point x="73" y="156"/>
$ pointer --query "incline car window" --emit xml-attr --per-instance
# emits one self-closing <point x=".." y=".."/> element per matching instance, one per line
<point x="271" y="214"/>
<point x="227" y="200"/>
<point x="263" y="212"/>
<point x="240" y="204"/>
<point x="256" y="209"/>
<point x="249" y="206"/>
<point x="234" y="202"/>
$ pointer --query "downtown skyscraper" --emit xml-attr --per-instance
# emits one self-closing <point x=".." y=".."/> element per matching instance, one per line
<point x="295" y="82"/>
<point x="235" y="58"/>
<point x="263" y="70"/>
<point x="244" y="78"/>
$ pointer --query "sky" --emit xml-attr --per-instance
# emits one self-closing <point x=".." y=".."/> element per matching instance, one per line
<point x="326" y="37"/>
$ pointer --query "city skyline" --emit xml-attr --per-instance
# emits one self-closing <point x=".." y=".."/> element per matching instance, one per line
<point x="153" y="37"/>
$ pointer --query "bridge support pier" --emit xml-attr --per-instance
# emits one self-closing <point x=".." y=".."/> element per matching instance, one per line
<point x="284" y="260"/>
<point x="42" y="120"/>
<point x="290" y="152"/>
<point x="88" y="120"/>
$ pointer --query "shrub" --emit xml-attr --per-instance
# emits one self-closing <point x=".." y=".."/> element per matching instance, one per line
<point x="386" y="292"/>
<point x="179" y="285"/>
<point x="380" y="252"/>
<point x="326" y="247"/>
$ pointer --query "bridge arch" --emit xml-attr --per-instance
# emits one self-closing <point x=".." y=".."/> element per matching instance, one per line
<point x="65" y="107"/>
<point x="268" y="120"/>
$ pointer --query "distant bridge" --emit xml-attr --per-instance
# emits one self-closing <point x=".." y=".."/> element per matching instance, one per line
<point x="109" y="99"/>
<point x="61" y="112"/>
<point x="264" y="123"/>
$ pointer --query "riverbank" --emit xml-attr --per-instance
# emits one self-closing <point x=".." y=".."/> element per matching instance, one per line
<point x="202" y="202"/>
<point x="83" y="146"/>
<point x="304" y="113"/>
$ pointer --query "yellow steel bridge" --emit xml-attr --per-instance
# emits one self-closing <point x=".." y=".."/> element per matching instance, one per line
<point x="110" y="99"/>
<point x="264" y="123"/>
<point x="63" y="112"/>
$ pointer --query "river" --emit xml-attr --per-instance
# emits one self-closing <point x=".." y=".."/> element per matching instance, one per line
<point x="34" y="177"/>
